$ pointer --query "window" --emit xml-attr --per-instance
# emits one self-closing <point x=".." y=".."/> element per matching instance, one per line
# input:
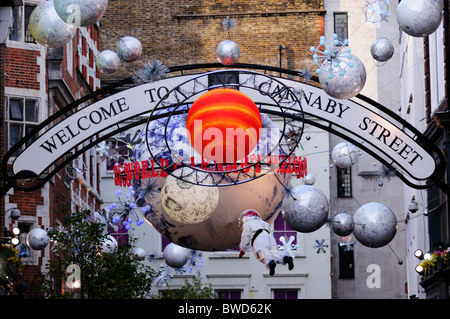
<point x="341" y="25"/>
<point x="344" y="182"/>
<point x="285" y="294"/>
<point x="346" y="260"/>
<point x="224" y="79"/>
<point x="437" y="217"/>
<point x="280" y="228"/>
<point x="121" y="234"/>
<point x="437" y="67"/>
<point x="20" y="30"/>
<point x="229" y="294"/>
<point x="22" y="116"/>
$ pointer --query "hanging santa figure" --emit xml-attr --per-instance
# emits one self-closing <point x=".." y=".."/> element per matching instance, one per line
<point x="256" y="234"/>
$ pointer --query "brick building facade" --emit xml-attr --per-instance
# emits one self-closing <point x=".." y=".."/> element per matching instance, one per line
<point x="36" y="82"/>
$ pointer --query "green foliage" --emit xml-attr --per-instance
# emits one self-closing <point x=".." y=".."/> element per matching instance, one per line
<point x="103" y="275"/>
<point x="192" y="289"/>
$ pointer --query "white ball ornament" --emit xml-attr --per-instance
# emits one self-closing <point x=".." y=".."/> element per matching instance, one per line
<point x="107" y="61"/>
<point x="129" y="49"/>
<point x="345" y="155"/>
<point x="347" y="83"/>
<point x="382" y="50"/>
<point x="37" y="239"/>
<point x="228" y="52"/>
<point x="419" y="18"/>
<point x="109" y="245"/>
<point x="47" y="28"/>
<point x="139" y="253"/>
<point x="186" y="202"/>
<point x="175" y="256"/>
<point x="81" y="13"/>
<point x="375" y="225"/>
<point x="305" y="209"/>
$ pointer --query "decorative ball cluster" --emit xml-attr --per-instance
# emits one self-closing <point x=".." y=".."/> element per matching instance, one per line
<point x="336" y="57"/>
<point x="128" y="206"/>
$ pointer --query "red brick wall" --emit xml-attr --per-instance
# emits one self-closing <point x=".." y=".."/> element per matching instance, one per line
<point x="21" y="68"/>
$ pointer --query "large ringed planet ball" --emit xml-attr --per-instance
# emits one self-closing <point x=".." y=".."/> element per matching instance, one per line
<point x="188" y="203"/>
<point x="228" y="52"/>
<point x="129" y="49"/>
<point x="346" y="84"/>
<point x="81" y="13"/>
<point x="305" y="209"/>
<point x="375" y="225"/>
<point x="224" y="125"/>
<point x="175" y="256"/>
<point x="345" y="155"/>
<point x="37" y="239"/>
<point x="107" y="61"/>
<point x="419" y="18"/>
<point x="382" y="50"/>
<point x="47" y="28"/>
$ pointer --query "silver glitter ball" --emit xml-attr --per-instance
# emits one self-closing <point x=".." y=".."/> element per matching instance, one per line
<point x="347" y="85"/>
<point x="375" y="225"/>
<point x="175" y="256"/>
<point x="306" y="210"/>
<point x="342" y="224"/>
<point x="81" y="13"/>
<point x="309" y="179"/>
<point x="345" y="155"/>
<point x="382" y="50"/>
<point x="228" y="52"/>
<point x="129" y="49"/>
<point x="139" y="253"/>
<point x="37" y="239"/>
<point x="419" y="18"/>
<point x="107" y="61"/>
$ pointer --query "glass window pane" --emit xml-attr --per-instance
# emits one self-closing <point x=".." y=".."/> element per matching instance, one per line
<point x="15" y="134"/>
<point x="31" y="111"/>
<point x="14" y="33"/>
<point x="28" y="129"/>
<point x="28" y="37"/>
<point x="15" y="110"/>
<point x="341" y="26"/>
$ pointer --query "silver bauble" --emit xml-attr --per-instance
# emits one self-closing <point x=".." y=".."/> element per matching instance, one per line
<point x="37" y="239"/>
<point x="47" y="28"/>
<point x="129" y="49"/>
<point x="375" y="225"/>
<point x="176" y="256"/>
<point x="139" y="253"/>
<point x="345" y="155"/>
<point x="228" y="52"/>
<point x="81" y="13"/>
<point x="109" y="245"/>
<point x="347" y="85"/>
<point x="305" y="209"/>
<point x="309" y="179"/>
<point x="188" y="203"/>
<point x="107" y="61"/>
<point x="342" y="224"/>
<point x="382" y="50"/>
<point x="419" y="18"/>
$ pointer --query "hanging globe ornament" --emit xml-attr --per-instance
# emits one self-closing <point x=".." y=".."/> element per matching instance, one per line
<point x="419" y="18"/>
<point x="81" y="13"/>
<point x="186" y="202"/>
<point x="305" y="208"/>
<point x="47" y="28"/>
<point x="342" y="224"/>
<point x="107" y="61"/>
<point x="176" y="256"/>
<point x="341" y="74"/>
<point x="129" y="49"/>
<point x="37" y="239"/>
<point x="309" y="179"/>
<point x="375" y="225"/>
<point x="228" y="52"/>
<point x="345" y="155"/>
<point x="382" y="50"/>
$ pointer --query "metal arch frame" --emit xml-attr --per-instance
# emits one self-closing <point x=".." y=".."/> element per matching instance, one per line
<point x="436" y="178"/>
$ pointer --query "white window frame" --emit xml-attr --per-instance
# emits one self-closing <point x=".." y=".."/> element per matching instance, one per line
<point x="437" y="67"/>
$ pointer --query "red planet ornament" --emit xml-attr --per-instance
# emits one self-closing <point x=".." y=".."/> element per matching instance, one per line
<point x="224" y="125"/>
